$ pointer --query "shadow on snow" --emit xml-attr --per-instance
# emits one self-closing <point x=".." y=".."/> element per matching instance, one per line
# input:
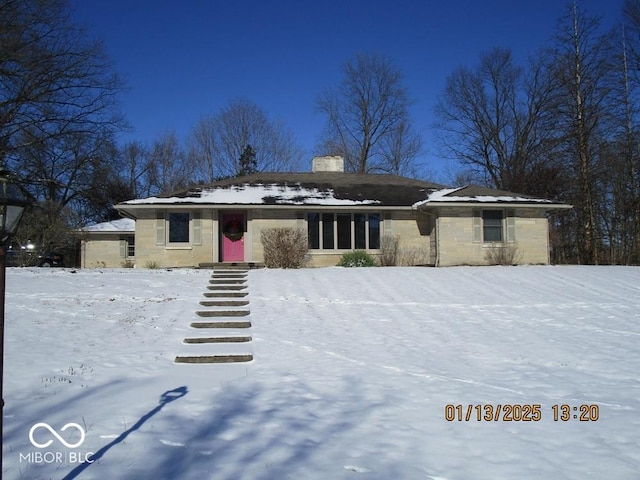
<point x="166" y="398"/>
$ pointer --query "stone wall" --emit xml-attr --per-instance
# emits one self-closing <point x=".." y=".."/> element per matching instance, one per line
<point x="456" y="245"/>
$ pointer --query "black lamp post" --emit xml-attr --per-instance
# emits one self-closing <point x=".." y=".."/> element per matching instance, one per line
<point x="12" y="205"/>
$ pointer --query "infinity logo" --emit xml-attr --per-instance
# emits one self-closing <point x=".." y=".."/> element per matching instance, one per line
<point x="55" y="434"/>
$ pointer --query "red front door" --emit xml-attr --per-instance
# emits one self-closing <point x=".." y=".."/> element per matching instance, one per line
<point x="233" y="237"/>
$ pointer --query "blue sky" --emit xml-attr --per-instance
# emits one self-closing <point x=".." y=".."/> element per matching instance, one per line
<point x="184" y="60"/>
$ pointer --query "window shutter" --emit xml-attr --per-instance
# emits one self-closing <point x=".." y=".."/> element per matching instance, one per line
<point x="123" y="249"/>
<point x="160" y="227"/>
<point x="197" y="228"/>
<point x="511" y="226"/>
<point x="477" y="226"/>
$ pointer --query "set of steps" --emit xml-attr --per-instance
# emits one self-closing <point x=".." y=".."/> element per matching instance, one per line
<point x="222" y="327"/>
<point x="236" y="265"/>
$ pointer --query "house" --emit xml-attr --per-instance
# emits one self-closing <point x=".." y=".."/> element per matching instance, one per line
<point x="108" y="244"/>
<point x="339" y="211"/>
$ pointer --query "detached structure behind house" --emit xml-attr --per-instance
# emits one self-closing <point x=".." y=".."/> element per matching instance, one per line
<point x="108" y="244"/>
<point x="339" y="211"/>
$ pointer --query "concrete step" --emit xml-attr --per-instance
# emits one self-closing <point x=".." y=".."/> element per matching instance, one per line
<point x="227" y="281"/>
<point x="228" y="277"/>
<point x="225" y="339"/>
<point x="225" y="294"/>
<point x="222" y="324"/>
<point x="224" y="303"/>
<point x="231" y="265"/>
<point x="214" y="358"/>
<point x="226" y="287"/>
<point x="222" y="313"/>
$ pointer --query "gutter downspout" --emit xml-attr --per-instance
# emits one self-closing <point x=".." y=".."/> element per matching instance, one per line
<point x="437" y="243"/>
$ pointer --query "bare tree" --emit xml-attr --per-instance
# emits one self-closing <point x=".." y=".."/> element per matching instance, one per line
<point x="400" y="150"/>
<point x="169" y="168"/>
<point x="217" y="142"/>
<point x="631" y="14"/>
<point x="202" y="148"/>
<point x="133" y="166"/>
<point x="123" y="175"/>
<point x="631" y="84"/>
<point x="57" y="114"/>
<point x="54" y="81"/>
<point x="618" y="206"/>
<point x="367" y="114"/>
<point x="582" y="62"/>
<point x="65" y="176"/>
<point x="497" y="120"/>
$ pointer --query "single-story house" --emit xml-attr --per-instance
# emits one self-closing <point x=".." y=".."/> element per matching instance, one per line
<point x="108" y="244"/>
<point x="339" y="211"/>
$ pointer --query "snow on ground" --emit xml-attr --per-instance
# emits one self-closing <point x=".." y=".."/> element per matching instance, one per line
<point x="353" y="369"/>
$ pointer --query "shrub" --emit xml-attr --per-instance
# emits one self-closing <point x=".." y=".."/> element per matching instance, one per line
<point x="284" y="247"/>
<point x="503" y="255"/>
<point x="411" y="256"/>
<point x="152" y="264"/>
<point x="357" y="258"/>
<point x="389" y="247"/>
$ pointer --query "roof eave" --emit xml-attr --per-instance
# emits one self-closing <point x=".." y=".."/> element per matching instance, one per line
<point x="126" y="209"/>
<point x="542" y="205"/>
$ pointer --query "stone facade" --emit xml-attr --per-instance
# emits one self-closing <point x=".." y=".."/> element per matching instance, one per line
<point x="439" y="237"/>
<point x="104" y="251"/>
<point x="341" y="211"/>
<point x="456" y="245"/>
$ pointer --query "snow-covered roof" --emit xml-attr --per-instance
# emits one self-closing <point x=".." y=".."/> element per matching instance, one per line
<point x="295" y="189"/>
<point x="475" y="194"/>
<point x="121" y="225"/>
<point x="248" y="194"/>
<point x="331" y="189"/>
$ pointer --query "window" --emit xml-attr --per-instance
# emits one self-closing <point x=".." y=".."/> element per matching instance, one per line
<point x="131" y="246"/>
<point x="492" y="229"/>
<point x="313" y="230"/>
<point x="343" y="220"/>
<point x="343" y="231"/>
<point x="178" y="228"/>
<point x="327" y="231"/>
<point x="360" y="227"/>
<point x="127" y="246"/>
<point x="374" y="231"/>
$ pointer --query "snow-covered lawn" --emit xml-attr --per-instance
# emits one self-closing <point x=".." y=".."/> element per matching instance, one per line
<point x="352" y="374"/>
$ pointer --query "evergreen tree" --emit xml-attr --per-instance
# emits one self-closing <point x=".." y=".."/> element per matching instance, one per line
<point x="248" y="162"/>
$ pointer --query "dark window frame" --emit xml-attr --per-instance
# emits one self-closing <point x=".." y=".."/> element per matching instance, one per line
<point x="493" y="226"/>
<point x="179" y="228"/>
<point x="327" y="231"/>
<point x="130" y="246"/>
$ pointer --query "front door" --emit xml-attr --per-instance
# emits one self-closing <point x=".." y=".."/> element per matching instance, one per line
<point x="233" y="237"/>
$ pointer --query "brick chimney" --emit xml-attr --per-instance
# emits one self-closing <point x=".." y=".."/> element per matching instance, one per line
<point x="327" y="164"/>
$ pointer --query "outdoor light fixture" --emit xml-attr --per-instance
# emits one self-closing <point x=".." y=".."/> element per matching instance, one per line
<point x="12" y="205"/>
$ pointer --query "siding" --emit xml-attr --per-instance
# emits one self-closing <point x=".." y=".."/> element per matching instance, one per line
<point x="150" y="247"/>
<point x="456" y="237"/>
<point x="102" y="251"/>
